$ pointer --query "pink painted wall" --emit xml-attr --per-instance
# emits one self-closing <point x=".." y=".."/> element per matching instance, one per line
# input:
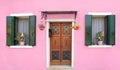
<point x="35" y="59"/>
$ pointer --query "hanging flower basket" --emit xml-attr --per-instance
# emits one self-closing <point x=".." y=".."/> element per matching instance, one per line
<point x="41" y="26"/>
<point x="76" y="26"/>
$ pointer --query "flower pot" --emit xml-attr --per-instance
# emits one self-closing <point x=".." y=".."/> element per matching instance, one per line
<point x="76" y="28"/>
<point x="41" y="28"/>
<point x="22" y="43"/>
<point x="100" y="42"/>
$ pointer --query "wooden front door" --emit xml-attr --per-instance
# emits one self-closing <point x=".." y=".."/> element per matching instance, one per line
<point x="60" y="43"/>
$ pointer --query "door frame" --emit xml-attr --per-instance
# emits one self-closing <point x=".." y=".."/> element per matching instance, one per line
<point x="48" y="40"/>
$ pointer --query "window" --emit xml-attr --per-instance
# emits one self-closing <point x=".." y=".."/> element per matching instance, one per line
<point x="25" y="25"/>
<point x="99" y="24"/>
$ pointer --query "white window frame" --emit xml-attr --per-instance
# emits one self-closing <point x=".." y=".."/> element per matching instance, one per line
<point x="21" y="15"/>
<point x="100" y="14"/>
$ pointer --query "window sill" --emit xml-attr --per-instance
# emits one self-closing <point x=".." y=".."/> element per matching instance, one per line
<point x="19" y="46"/>
<point x="100" y="46"/>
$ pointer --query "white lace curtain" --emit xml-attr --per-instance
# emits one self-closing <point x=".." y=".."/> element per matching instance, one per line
<point x="97" y="26"/>
<point x="23" y="26"/>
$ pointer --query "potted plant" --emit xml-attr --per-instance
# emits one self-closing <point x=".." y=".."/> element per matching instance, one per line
<point x="99" y="37"/>
<point x="76" y="26"/>
<point x="20" y="37"/>
<point x="41" y="26"/>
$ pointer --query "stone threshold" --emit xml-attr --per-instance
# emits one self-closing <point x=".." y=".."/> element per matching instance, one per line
<point x="60" y="67"/>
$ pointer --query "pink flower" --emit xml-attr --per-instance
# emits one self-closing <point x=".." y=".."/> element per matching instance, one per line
<point x="102" y="33"/>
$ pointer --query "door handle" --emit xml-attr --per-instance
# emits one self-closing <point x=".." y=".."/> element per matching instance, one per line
<point x="31" y="34"/>
<point x="50" y="32"/>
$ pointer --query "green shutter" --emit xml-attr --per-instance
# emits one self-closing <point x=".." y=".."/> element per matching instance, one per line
<point x="111" y="30"/>
<point x="88" y="30"/>
<point x="10" y="30"/>
<point x="32" y="30"/>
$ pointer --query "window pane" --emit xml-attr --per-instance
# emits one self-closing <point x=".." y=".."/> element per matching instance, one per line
<point x="97" y="26"/>
<point x="23" y="27"/>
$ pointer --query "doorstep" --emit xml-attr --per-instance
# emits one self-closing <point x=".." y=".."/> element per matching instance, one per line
<point x="60" y="67"/>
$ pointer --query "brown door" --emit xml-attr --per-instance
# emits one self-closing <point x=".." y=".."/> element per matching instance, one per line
<point x="60" y="43"/>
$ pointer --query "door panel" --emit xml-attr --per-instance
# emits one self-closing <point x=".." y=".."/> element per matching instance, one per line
<point x="55" y="29"/>
<point x="66" y="29"/>
<point x="55" y="44"/>
<point x="66" y="44"/>
<point x="60" y="43"/>
<point x="66" y="51"/>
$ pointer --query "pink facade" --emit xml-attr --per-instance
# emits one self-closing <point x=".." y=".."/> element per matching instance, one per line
<point x="35" y="58"/>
